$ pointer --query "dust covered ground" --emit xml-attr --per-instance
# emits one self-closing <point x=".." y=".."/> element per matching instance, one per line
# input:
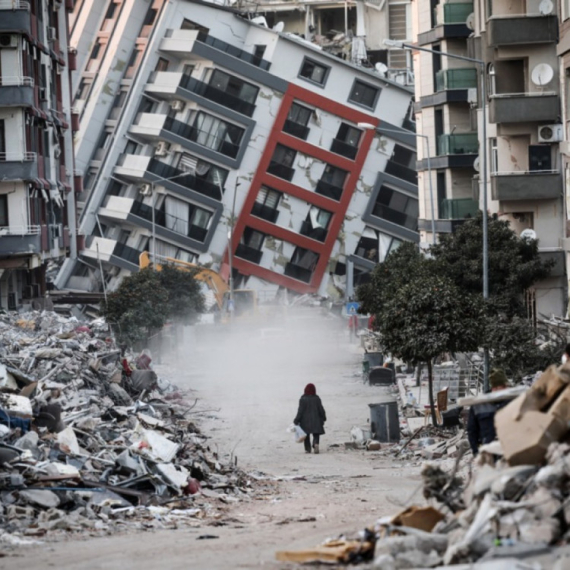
<point x="247" y="381"/>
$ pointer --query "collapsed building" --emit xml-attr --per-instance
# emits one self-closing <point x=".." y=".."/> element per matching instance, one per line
<point x="211" y="137"/>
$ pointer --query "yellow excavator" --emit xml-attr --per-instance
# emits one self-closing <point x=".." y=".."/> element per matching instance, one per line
<point x="245" y="300"/>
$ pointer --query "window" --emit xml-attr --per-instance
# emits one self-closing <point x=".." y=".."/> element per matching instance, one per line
<point x="83" y="89"/>
<point x="161" y="64"/>
<point x="284" y="155"/>
<point x="3" y="210"/>
<point x="313" y="71"/>
<point x="396" y="207"/>
<point x="364" y="94"/>
<point x="96" y="50"/>
<point x="216" y="134"/>
<point x="118" y="104"/>
<point x="2" y="138"/>
<point x="334" y="176"/>
<point x="494" y="155"/>
<point x="349" y="135"/>
<point x="253" y="238"/>
<point x="268" y="197"/>
<point x="111" y="11"/>
<point x="234" y="86"/>
<point x="299" y="114"/>
<point x="375" y="246"/>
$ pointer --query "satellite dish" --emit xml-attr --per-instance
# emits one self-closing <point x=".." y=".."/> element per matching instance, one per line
<point x="381" y="68"/>
<point x="476" y="164"/>
<point x="279" y="27"/>
<point x="470" y="22"/>
<point x="528" y="234"/>
<point x="542" y="74"/>
<point x="260" y="21"/>
<point x="545" y="7"/>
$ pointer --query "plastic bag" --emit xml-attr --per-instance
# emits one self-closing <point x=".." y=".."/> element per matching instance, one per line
<point x="297" y="432"/>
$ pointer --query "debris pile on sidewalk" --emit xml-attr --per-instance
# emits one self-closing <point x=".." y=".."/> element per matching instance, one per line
<point x="90" y="440"/>
<point x="511" y="510"/>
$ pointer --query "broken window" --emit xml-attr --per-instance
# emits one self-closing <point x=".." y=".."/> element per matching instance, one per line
<point x="364" y="94"/>
<point x="313" y="71"/>
<point x="375" y="246"/>
<point x="302" y="265"/>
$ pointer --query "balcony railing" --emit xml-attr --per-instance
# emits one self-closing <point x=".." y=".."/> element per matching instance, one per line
<point x="401" y="171"/>
<point x="344" y="149"/>
<point x="280" y="170"/>
<point x="458" y="208"/>
<point x="203" y="138"/>
<point x="395" y="216"/>
<point x="16" y="81"/>
<point x="248" y="253"/>
<point x="455" y="79"/>
<point x="188" y="181"/>
<point x="217" y="95"/>
<point x="298" y="272"/>
<point x="466" y="143"/>
<point x="233" y="51"/>
<point x="127" y="253"/>
<point x="454" y="13"/>
<point x="14" y="5"/>
<point x="328" y="190"/>
<point x="19" y="230"/>
<point x="307" y="229"/>
<point x="265" y="212"/>
<point x="296" y="129"/>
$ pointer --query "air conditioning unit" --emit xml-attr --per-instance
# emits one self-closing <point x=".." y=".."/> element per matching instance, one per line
<point x="176" y="105"/>
<point x="8" y="41"/>
<point x="161" y="149"/>
<point x="550" y="133"/>
<point x="51" y="34"/>
<point x="145" y="189"/>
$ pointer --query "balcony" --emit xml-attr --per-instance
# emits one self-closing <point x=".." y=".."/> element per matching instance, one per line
<point x="559" y="257"/>
<point x="456" y="78"/>
<point x="529" y="185"/>
<point x="401" y="171"/>
<point x="395" y="216"/>
<point x="344" y="149"/>
<point x="453" y="13"/>
<point x="217" y="95"/>
<point x="116" y="208"/>
<point x="99" y="248"/>
<point x="524" y="107"/>
<point x="296" y="129"/>
<point x="20" y="240"/>
<point x="15" y="16"/>
<point x="458" y="208"/>
<point x="265" y="212"/>
<point x="298" y="272"/>
<point x="318" y="233"/>
<point x="281" y="171"/>
<point x="233" y="51"/>
<point x="506" y="30"/>
<point x="248" y="253"/>
<point x="127" y="253"/>
<point x="146" y="168"/>
<point x="18" y="165"/>
<point x="325" y="189"/>
<point x="16" y="91"/>
<point x="168" y="222"/>
<point x="465" y="143"/>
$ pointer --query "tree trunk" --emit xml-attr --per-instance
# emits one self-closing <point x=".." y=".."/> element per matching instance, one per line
<point x="419" y="374"/>
<point x="430" y="391"/>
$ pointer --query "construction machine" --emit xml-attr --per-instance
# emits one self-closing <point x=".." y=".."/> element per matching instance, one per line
<point x="245" y="300"/>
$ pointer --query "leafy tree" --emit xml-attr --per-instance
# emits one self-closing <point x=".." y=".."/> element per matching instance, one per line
<point x="146" y="300"/>
<point x="417" y="310"/>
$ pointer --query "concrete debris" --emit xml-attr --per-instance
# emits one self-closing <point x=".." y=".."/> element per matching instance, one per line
<point x="92" y="440"/>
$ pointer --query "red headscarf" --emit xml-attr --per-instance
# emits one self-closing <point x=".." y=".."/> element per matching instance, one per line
<point x="310" y="390"/>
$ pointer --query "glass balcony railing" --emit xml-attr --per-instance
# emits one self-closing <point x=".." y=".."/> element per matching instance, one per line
<point x="281" y="171"/>
<point x="458" y="208"/>
<point x="328" y="190"/>
<point x="298" y="272"/>
<point x="296" y="129"/>
<point x="344" y="149"/>
<point x="248" y="253"/>
<point x="454" y="13"/>
<point x="127" y="253"/>
<point x="217" y="95"/>
<point x="233" y="51"/>
<point x="401" y="171"/>
<point x="307" y="229"/>
<point x="265" y="212"/>
<point x="455" y="79"/>
<point x="395" y="216"/>
<point x="466" y="143"/>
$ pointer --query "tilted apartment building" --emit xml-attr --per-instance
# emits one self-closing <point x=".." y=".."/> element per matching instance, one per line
<point x="195" y="118"/>
<point x="516" y="45"/>
<point x="37" y="212"/>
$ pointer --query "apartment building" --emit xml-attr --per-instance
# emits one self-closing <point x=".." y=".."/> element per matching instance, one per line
<point x="516" y="44"/>
<point x="37" y="212"/>
<point x="226" y="123"/>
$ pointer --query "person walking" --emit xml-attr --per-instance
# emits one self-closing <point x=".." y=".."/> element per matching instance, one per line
<point x="311" y="417"/>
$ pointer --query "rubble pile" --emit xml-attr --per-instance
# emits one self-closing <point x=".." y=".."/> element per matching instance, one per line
<point x="92" y="440"/>
<point x="509" y="509"/>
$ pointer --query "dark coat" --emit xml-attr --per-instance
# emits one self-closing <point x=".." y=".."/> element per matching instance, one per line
<point x="481" y="423"/>
<point x="311" y="415"/>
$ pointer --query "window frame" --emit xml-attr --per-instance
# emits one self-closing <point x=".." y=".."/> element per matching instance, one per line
<point x="326" y="69"/>
<point x="367" y="86"/>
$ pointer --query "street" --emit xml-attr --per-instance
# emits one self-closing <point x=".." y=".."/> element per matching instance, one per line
<point x="248" y="383"/>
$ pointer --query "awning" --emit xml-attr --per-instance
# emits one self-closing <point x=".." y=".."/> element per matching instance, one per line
<point x="35" y="112"/>
<point x="40" y="183"/>
<point x="63" y="186"/>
